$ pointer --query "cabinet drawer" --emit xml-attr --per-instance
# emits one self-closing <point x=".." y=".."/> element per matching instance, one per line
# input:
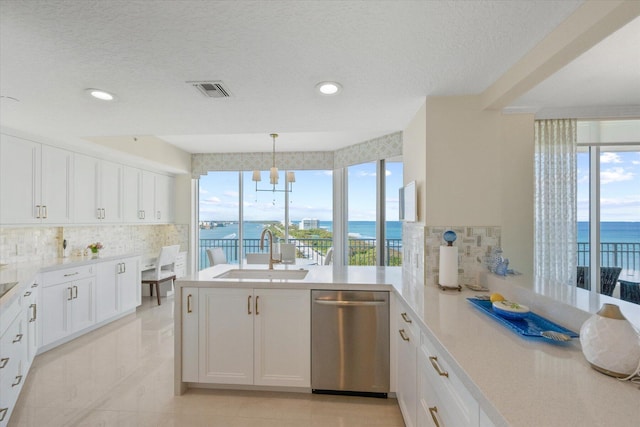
<point x="9" y="313"/>
<point x="68" y="274"/>
<point x="406" y="322"/>
<point x="12" y="351"/>
<point x="456" y="406"/>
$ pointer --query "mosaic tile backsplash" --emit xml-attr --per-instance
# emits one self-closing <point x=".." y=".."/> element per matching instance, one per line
<point x="474" y="245"/>
<point x="23" y="244"/>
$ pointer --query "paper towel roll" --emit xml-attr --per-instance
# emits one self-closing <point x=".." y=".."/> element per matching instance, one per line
<point x="448" y="266"/>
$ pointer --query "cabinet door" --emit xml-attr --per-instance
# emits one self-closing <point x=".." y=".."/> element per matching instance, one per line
<point x="32" y="321"/>
<point x="85" y="189"/>
<point x="106" y="290"/>
<point x="406" y="374"/>
<point x="56" y="185"/>
<point x="129" y="287"/>
<point x="163" y="198"/>
<point x="55" y="312"/>
<point x="111" y="192"/>
<point x="83" y="304"/>
<point x="147" y="196"/>
<point x="225" y="336"/>
<point x="282" y="334"/>
<point x="131" y="194"/>
<point x="19" y="180"/>
<point x="189" y="334"/>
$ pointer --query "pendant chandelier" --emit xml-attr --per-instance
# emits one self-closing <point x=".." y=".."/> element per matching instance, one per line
<point x="273" y="174"/>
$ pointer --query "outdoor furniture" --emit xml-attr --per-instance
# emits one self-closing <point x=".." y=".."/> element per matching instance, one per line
<point x="630" y="291"/>
<point x="216" y="256"/>
<point x="608" y="279"/>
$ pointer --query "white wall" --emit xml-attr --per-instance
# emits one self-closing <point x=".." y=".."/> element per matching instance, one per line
<point x="414" y="155"/>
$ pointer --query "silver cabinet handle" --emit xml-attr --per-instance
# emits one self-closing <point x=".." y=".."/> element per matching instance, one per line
<point x="4" y="361"/>
<point x="35" y="313"/>
<point x="434" y="414"/>
<point x="35" y="285"/>
<point x="189" y="303"/>
<point x="18" y="338"/>
<point x="26" y="294"/>
<point x="98" y="213"/>
<point x="18" y="380"/>
<point x="348" y="303"/>
<point x="75" y="288"/>
<point x="38" y="211"/>
<point x="257" y="312"/>
<point x="70" y="297"/>
<point x="44" y="210"/>
<point x="436" y="366"/>
<point x="3" y="413"/>
<point x="249" y="305"/>
<point x="158" y="216"/>
<point x="124" y="267"/>
<point x="71" y="274"/>
<point x="405" y="317"/>
<point x="404" y="335"/>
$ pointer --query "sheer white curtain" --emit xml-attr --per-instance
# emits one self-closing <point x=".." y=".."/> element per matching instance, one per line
<point x="555" y="200"/>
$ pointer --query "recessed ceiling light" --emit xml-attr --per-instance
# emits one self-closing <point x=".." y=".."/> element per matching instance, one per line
<point x="100" y="94"/>
<point x="329" y="88"/>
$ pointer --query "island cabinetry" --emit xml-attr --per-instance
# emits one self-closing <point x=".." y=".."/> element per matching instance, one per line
<point x="32" y="322"/>
<point x="248" y="336"/>
<point x="407" y="337"/>
<point x="68" y="302"/>
<point x="13" y="357"/>
<point x="117" y="287"/>
<point x="35" y="182"/>
<point x="97" y="190"/>
<point x="442" y="399"/>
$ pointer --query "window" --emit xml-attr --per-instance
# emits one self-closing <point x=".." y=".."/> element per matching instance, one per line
<point x="608" y="208"/>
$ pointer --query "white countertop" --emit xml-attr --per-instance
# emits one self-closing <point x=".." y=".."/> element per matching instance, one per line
<point x="517" y="381"/>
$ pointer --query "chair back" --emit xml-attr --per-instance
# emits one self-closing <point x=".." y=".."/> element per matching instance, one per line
<point x="328" y="256"/>
<point x="216" y="256"/>
<point x="608" y="279"/>
<point x="257" y="258"/>
<point x="166" y="258"/>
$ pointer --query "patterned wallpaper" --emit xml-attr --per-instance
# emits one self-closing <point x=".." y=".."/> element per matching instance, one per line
<point x="24" y="244"/>
<point x="379" y="148"/>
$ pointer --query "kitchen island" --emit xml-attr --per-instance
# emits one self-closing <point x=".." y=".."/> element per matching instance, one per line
<point x="511" y="380"/>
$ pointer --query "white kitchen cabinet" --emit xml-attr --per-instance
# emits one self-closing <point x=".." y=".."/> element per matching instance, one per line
<point x="30" y="302"/>
<point x="35" y="182"/>
<point x="164" y="196"/>
<point x="147" y="196"/>
<point x="190" y="318"/>
<point x="68" y="302"/>
<point x="97" y="188"/>
<point x="130" y="194"/>
<point x="12" y="365"/>
<point x="254" y="336"/>
<point x="407" y="338"/>
<point x="117" y="287"/>
<point x="484" y="420"/>
<point x="443" y="400"/>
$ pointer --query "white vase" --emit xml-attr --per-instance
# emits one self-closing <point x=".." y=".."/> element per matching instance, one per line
<point x="610" y="343"/>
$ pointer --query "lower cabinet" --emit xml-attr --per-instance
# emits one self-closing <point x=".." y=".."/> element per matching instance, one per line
<point x="247" y="336"/>
<point x="442" y="399"/>
<point x="407" y="338"/>
<point x="118" y="287"/>
<point x="67" y="306"/>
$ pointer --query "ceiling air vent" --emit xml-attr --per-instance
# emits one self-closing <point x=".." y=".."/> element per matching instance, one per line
<point x="212" y="89"/>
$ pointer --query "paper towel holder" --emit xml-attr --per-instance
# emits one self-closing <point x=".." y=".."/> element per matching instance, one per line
<point x="450" y="237"/>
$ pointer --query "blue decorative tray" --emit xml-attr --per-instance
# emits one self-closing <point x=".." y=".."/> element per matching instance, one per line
<point x="531" y="325"/>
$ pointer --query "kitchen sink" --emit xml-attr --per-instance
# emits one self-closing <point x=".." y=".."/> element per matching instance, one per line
<point x="263" y="274"/>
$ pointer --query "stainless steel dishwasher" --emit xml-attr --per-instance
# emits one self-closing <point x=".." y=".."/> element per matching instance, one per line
<point x="350" y="342"/>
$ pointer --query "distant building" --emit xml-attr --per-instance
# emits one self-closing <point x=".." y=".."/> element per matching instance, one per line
<point x="309" y="224"/>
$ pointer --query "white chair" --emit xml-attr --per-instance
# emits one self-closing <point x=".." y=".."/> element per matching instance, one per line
<point x="216" y="256"/>
<point x="163" y="270"/>
<point x="257" y="258"/>
<point x="328" y="256"/>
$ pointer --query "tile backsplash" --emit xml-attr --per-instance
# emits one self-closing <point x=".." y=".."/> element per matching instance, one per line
<point x="23" y="244"/>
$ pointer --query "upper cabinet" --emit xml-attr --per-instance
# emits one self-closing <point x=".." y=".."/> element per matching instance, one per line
<point x="148" y="197"/>
<point x="35" y="182"/>
<point x="97" y="190"/>
<point x="43" y="184"/>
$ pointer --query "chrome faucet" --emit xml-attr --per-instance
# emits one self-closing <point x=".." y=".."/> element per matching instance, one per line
<point x="271" y="260"/>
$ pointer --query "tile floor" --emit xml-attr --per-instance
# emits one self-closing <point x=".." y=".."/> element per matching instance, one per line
<point x="122" y="375"/>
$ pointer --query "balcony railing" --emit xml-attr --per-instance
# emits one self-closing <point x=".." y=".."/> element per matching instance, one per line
<point x="361" y="251"/>
<point x="624" y="255"/>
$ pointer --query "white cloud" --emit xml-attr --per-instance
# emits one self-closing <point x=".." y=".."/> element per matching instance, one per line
<point x="610" y="158"/>
<point x="233" y="194"/>
<point x="615" y="175"/>
<point x="203" y="191"/>
<point x="387" y="172"/>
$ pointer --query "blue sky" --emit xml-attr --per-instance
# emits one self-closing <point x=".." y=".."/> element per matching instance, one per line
<point x="619" y="186"/>
<point x="312" y="195"/>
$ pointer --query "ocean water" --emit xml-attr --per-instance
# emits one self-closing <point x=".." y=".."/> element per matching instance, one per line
<point x="356" y="229"/>
<point x="612" y="232"/>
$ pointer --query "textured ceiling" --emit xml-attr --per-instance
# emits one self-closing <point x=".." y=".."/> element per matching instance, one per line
<point x="388" y="55"/>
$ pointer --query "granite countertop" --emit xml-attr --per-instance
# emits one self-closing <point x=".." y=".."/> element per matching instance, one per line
<point x="518" y="381"/>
